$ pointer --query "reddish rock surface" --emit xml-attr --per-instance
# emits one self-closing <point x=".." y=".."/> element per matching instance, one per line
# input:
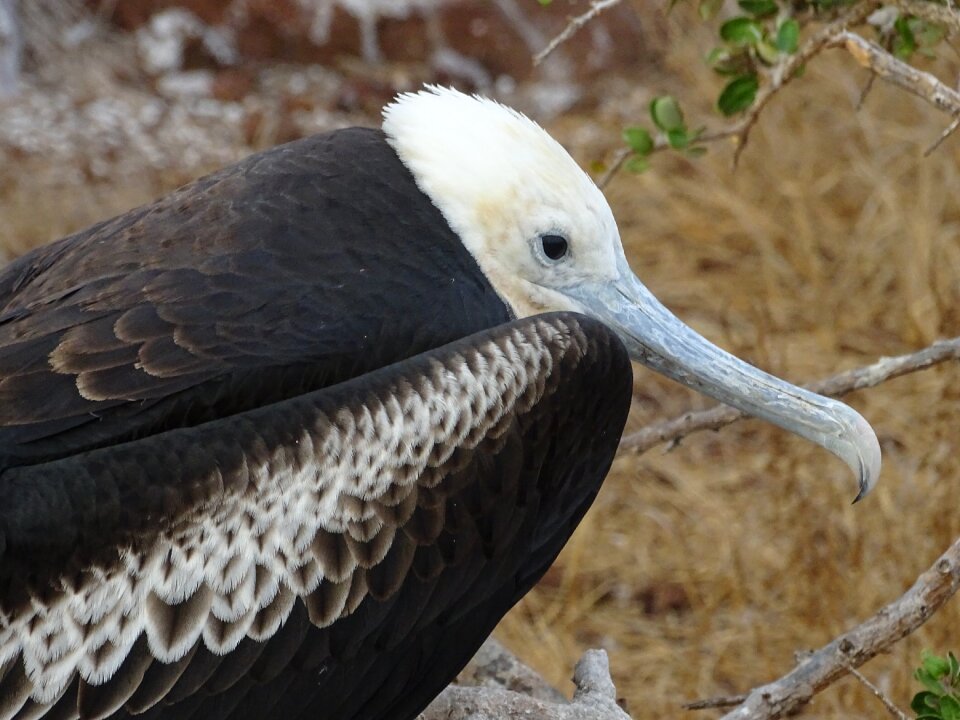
<point x="280" y="30"/>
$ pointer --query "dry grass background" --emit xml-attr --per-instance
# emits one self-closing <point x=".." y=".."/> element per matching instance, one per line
<point x="704" y="570"/>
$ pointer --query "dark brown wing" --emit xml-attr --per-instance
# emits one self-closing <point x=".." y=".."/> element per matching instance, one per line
<point x="296" y="268"/>
<point x="340" y="555"/>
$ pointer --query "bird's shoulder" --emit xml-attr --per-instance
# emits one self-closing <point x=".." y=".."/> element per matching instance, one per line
<point x="285" y="272"/>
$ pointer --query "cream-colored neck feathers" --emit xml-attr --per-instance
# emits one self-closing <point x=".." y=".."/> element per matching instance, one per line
<point x="501" y="181"/>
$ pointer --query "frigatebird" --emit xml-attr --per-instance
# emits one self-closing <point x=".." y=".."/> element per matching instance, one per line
<point x="288" y="442"/>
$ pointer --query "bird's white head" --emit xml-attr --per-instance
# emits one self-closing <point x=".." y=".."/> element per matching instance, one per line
<point x="533" y="219"/>
<point x="546" y="239"/>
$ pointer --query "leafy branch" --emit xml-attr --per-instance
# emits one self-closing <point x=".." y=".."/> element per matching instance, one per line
<point x="941" y="698"/>
<point x="762" y="49"/>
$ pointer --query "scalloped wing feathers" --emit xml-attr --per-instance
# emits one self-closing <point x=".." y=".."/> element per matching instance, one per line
<point x="151" y="556"/>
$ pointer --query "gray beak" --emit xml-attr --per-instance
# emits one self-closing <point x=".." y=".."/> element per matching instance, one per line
<point x="658" y="339"/>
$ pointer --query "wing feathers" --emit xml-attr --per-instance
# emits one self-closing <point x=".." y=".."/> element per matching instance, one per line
<point x="172" y="629"/>
<point x="15" y="689"/>
<point x="96" y="702"/>
<point x="325" y="501"/>
<point x="157" y="682"/>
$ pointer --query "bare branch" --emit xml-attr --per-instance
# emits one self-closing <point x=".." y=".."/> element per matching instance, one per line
<point x="721" y="701"/>
<point x="595" y="698"/>
<point x="857" y="379"/>
<point x="823" y="667"/>
<point x="596" y="7"/>
<point x="879" y="694"/>
<point x="887" y="67"/>
<point x="495" y="666"/>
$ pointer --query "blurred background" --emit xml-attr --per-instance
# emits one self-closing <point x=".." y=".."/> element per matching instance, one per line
<point x="835" y="242"/>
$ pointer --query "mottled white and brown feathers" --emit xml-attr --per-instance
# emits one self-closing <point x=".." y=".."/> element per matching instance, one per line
<point x="204" y="538"/>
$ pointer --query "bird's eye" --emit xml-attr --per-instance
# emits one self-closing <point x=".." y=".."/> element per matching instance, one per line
<point x="554" y="246"/>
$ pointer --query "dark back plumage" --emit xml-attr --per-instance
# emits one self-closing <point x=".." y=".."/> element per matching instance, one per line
<point x="297" y="268"/>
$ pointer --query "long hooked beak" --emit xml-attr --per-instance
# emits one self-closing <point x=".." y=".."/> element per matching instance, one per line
<point x="657" y="338"/>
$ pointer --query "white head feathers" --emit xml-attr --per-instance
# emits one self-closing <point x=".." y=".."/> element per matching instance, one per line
<point x="502" y="183"/>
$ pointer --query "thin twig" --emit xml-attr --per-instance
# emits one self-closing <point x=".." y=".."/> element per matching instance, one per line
<point x="596" y="7"/>
<point x="857" y="379"/>
<point x="867" y="87"/>
<point x="722" y="701"/>
<point x="879" y="694"/>
<point x="618" y="162"/>
<point x="887" y="39"/>
<point x="891" y="624"/>
<point x="660" y="142"/>
<point x="948" y="131"/>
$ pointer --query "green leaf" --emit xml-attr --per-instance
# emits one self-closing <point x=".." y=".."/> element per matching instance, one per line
<point x="767" y="52"/>
<point x="788" y="36"/>
<point x="725" y="62"/>
<point x="924" y="701"/>
<point x="759" y="8"/>
<point x="708" y="9"/>
<point x="637" y="164"/>
<point x="928" y="681"/>
<point x="678" y="139"/>
<point x="949" y="708"/>
<point x="738" y="95"/>
<point x="935" y="665"/>
<point x="954" y="668"/>
<point x="717" y="56"/>
<point x="638" y="139"/>
<point x="927" y="34"/>
<point x="666" y="114"/>
<point x="742" y="31"/>
<point x="904" y="44"/>
<point x="545" y="2"/>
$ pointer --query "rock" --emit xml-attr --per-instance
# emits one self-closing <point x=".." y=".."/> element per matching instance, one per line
<point x="11" y="50"/>
<point x="163" y="41"/>
<point x="478" y="40"/>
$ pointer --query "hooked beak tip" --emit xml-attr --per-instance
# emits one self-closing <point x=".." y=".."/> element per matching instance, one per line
<point x="868" y="457"/>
